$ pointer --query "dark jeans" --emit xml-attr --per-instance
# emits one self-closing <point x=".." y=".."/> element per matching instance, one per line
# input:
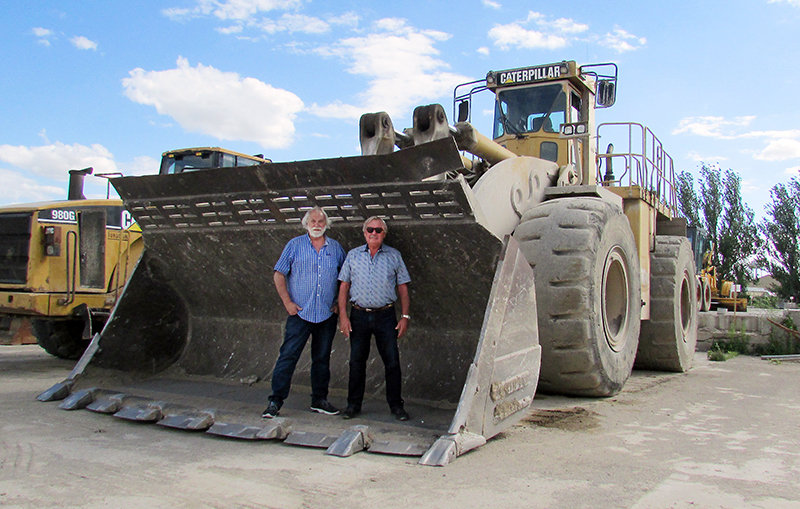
<point x="381" y="324"/>
<point x="297" y="333"/>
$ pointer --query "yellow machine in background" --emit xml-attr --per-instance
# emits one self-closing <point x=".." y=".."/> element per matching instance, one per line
<point x="63" y="265"/>
<point x="712" y="292"/>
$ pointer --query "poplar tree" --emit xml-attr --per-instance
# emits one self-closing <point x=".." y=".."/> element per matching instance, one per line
<point x="781" y="252"/>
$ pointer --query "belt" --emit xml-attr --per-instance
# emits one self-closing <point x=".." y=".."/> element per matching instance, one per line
<point x="371" y="310"/>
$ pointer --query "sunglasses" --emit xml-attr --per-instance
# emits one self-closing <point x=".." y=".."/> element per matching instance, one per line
<point x="371" y="229"/>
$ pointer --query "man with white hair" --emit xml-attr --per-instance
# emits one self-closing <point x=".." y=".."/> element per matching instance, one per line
<point x="306" y="279"/>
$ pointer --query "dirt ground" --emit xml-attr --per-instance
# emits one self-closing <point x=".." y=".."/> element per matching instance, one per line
<point x="724" y="435"/>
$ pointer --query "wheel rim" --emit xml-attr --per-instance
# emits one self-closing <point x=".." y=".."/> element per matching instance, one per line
<point x="615" y="299"/>
<point x="686" y="305"/>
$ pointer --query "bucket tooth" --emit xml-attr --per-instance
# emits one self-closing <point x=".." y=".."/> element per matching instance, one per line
<point x="350" y="442"/>
<point x="82" y="398"/>
<point x="398" y="447"/>
<point x="449" y="447"/>
<point x="190" y="421"/>
<point x="235" y="430"/>
<point x="311" y="439"/>
<point x="110" y="404"/>
<point x="277" y="428"/>
<point x="57" y="392"/>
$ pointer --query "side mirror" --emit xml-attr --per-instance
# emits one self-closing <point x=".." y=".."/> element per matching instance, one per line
<point x="463" y="111"/>
<point x="606" y="93"/>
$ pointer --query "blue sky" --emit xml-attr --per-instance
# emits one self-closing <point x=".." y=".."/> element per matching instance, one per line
<point x="114" y="84"/>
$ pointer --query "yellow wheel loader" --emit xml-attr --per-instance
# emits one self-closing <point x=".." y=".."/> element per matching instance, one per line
<point x="528" y="269"/>
<point x="63" y="265"/>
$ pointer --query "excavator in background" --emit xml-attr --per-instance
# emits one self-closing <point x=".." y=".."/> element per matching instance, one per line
<point x="712" y="292"/>
<point x="530" y="271"/>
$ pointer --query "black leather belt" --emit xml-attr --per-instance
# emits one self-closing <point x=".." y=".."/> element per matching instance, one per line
<point x="371" y="310"/>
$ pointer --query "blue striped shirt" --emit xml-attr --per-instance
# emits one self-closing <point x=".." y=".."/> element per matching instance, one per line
<point x="311" y="276"/>
<point x="373" y="279"/>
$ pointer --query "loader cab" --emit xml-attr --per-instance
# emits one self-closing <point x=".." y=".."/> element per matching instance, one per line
<point x="546" y="111"/>
<point x="528" y="119"/>
<point x="193" y="159"/>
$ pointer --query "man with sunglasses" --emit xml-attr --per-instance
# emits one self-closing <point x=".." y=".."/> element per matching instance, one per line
<point x="305" y="277"/>
<point x="369" y="278"/>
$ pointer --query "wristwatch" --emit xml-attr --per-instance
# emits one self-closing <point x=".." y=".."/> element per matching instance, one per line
<point x="407" y="317"/>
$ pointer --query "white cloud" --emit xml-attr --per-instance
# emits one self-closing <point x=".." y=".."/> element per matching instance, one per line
<point x="82" y="42"/>
<point x="295" y="23"/>
<point x="514" y="35"/>
<point x="793" y="171"/>
<point x="141" y="165"/>
<point x="43" y="34"/>
<point x="568" y="26"/>
<point x="491" y="4"/>
<point x="400" y="64"/>
<point x="220" y="104"/>
<point x="548" y="35"/>
<point x="793" y="3"/>
<point x="347" y="19"/>
<point x="54" y="160"/>
<point x="694" y="156"/>
<point x="780" y="150"/>
<point x="18" y="188"/>
<point x="231" y="9"/>
<point x="235" y="29"/>
<point x="712" y="127"/>
<point x="483" y="50"/>
<point x="621" y="41"/>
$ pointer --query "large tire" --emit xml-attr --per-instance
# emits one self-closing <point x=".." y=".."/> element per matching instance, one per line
<point x="61" y="338"/>
<point x="705" y="295"/>
<point x="588" y="294"/>
<point x="668" y="339"/>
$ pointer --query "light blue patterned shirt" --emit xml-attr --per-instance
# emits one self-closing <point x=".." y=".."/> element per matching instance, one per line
<point x="311" y="276"/>
<point x="373" y="279"/>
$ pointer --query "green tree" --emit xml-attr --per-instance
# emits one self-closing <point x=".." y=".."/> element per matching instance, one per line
<point x="687" y="198"/>
<point x="712" y="202"/>
<point x="728" y="222"/>
<point x="738" y="234"/>
<point x="781" y="253"/>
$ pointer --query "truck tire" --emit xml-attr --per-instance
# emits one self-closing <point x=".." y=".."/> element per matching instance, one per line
<point x="705" y="295"/>
<point x="588" y="294"/>
<point x="61" y="338"/>
<point x="667" y="341"/>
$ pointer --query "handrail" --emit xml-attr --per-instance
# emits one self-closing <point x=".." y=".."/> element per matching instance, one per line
<point x="70" y="276"/>
<point x="646" y="163"/>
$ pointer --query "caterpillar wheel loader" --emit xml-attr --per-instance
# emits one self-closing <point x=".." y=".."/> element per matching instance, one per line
<point x="63" y="265"/>
<point x="528" y="270"/>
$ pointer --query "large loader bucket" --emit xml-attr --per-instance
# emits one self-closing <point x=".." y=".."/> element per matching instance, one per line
<point x="196" y="333"/>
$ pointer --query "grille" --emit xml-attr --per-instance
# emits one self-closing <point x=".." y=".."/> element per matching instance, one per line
<point x="15" y="240"/>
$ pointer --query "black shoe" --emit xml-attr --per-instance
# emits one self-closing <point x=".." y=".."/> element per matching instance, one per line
<point x="323" y="407"/>
<point x="350" y="412"/>
<point x="400" y="414"/>
<point x="271" y="411"/>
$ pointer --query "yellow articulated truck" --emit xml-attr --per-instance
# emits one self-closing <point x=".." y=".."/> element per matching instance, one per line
<point x="537" y="263"/>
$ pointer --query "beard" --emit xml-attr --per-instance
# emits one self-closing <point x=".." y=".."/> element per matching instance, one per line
<point x="316" y="233"/>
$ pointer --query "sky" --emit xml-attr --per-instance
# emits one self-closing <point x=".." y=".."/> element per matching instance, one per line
<point x="113" y="85"/>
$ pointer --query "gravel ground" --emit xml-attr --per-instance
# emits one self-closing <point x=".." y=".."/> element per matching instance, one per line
<point x="724" y="435"/>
